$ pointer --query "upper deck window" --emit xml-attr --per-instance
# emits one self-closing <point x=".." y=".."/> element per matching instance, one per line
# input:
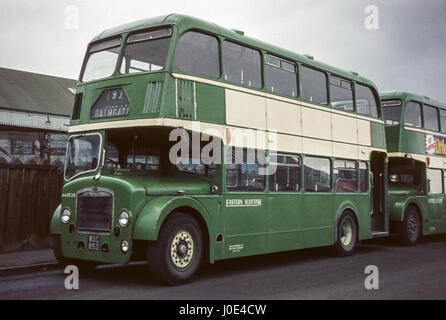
<point x="146" y="51"/>
<point x="430" y="115"/>
<point x="101" y="59"/>
<point x="198" y="53"/>
<point x="392" y="112"/>
<point x="341" y="94"/>
<point x="242" y="65"/>
<point x="366" y="101"/>
<point x="313" y="85"/>
<point x="412" y="114"/>
<point x="281" y="76"/>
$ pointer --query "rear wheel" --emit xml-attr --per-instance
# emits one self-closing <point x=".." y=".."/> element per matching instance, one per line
<point x="411" y="227"/>
<point x="177" y="255"/>
<point x="347" y="237"/>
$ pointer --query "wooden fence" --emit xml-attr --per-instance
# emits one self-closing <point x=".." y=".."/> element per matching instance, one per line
<point x="29" y="194"/>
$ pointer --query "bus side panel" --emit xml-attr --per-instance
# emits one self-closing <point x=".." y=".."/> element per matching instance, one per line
<point x="378" y="135"/>
<point x="246" y="232"/>
<point x="284" y="222"/>
<point x="318" y="215"/>
<point x="359" y="204"/>
<point x="210" y="103"/>
<point x="412" y="142"/>
<point x="213" y="205"/>
<point x="192" y="100"/>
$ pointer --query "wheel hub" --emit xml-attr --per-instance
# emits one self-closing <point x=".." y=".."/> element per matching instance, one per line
<point x="346" y="233"/>
<point x="182" y="249"/>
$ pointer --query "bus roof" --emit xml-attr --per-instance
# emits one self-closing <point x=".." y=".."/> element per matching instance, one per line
<point x="408" y="96"/>
<point x="184" y="22"/>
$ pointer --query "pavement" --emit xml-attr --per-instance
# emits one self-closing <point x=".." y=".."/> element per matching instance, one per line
<point x="26" y="258"/>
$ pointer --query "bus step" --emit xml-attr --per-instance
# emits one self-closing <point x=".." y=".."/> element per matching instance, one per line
<point x="378" y="234"/>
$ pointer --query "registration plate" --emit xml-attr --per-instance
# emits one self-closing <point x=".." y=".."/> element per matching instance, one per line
<point x="94" y="242"/>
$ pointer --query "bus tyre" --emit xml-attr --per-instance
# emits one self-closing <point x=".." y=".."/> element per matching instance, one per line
<point x="83" y="265"/>
<point x="347" y="237"/>
<point x="176" y="256"/>
<point x="410" y="229"/>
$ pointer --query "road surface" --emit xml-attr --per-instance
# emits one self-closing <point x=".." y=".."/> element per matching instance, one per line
<point x="404" y="273"/>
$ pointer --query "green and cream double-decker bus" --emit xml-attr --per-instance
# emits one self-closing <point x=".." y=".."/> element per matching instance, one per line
<point x="190" y="142"/>
<point x="416" y="137"/>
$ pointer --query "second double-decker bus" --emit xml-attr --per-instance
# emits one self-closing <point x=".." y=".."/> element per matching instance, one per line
<point x="190" y="142"/>
<point x="416" y="144"/>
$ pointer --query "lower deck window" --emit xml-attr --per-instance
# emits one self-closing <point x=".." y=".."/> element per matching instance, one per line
<point x="245" y="169"/>
<point x="317" y="174"/>
<point x="285" y="173"/>
<point x="345" y="176"/>
<point x="363" y="176"/>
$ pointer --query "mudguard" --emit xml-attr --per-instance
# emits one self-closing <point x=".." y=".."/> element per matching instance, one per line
<point x="347" y="205"/>
<point x="398" y="208"/>
<point x="152" y="216"/>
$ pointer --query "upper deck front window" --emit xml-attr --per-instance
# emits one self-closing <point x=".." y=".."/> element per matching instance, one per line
<point x="101" y="60"/>
<point x="146" y="51"/>
<point x="392" y="112"/>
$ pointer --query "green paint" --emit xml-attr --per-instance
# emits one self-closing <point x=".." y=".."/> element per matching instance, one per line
<point x="400" y="139"/>
<point x="265" y="222"/>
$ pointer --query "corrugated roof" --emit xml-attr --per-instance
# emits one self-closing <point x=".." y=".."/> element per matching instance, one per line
<point x="32" y="92"/>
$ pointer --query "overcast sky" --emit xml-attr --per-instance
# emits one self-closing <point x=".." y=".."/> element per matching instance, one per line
<point x="406" y="52"/>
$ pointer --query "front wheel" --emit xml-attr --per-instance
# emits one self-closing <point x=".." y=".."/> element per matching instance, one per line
<point x="177" y="255"/>
<point x="347" y="237"/>
<point x="410" y="231"/>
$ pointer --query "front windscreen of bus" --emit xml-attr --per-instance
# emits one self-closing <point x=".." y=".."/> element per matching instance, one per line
<point x="101" y="60"/>
<point x="82" y="154"/>
<point x="392" y="112"/>
<point x="146" y="51"/>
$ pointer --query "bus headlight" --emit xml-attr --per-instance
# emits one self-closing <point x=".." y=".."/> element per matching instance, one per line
<point x="65" y="217"/>
<point x="124" y="219"/>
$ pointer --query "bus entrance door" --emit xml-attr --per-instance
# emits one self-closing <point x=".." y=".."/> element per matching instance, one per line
<point x="379" y="220"/>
